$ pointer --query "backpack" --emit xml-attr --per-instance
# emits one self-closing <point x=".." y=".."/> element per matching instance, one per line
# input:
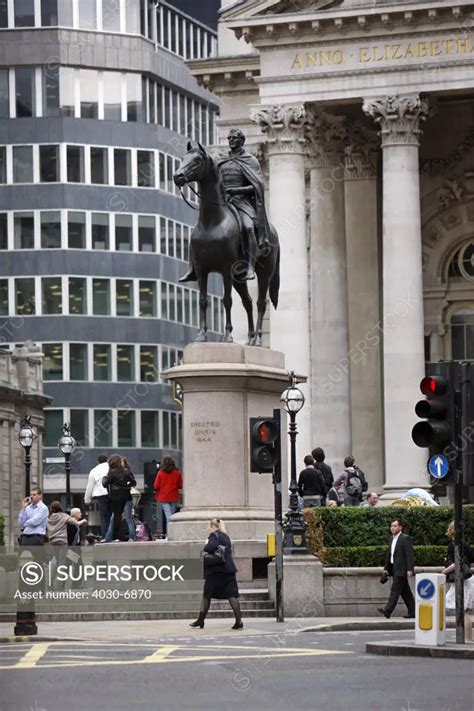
<point x="354" y="483"/>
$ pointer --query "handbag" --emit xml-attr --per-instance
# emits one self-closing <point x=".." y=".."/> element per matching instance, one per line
<point x="217" y="557"/>
<point x="465" y="570"/>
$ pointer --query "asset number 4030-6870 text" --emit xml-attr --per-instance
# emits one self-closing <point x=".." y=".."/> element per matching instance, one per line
<point x="121" y="594"/>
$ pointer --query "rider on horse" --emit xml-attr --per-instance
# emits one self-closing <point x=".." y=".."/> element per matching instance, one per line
<point x="244" y="187"/>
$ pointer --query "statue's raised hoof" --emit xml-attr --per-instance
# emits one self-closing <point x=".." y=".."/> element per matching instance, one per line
<point x="201" y="337"/>
<point x="256" y="342"/>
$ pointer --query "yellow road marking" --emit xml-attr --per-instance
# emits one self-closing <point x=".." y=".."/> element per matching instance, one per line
<point x="33" y="655"/>
<point x="160" y="654"/>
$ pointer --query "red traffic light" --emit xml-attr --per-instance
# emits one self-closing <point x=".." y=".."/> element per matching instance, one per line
<point x="434" y="385"/>
<point x="265" y="431"/>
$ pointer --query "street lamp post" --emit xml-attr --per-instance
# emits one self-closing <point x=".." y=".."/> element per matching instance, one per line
<point x="26" y="438"/>
<point x="66" y="446"/>
<point x="294" y="525"/>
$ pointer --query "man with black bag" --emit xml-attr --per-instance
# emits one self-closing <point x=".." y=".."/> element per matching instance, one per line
<point x="400" y="564"/>
<point x="354" y="482"/>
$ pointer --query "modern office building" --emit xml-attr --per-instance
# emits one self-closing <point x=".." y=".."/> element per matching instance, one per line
<point x="96" y="108"/>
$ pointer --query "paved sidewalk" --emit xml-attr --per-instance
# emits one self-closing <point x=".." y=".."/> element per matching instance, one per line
<point x="160" y="629"/>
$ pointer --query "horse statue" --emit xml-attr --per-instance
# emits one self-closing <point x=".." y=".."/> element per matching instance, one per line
<point x="216" y="245"/>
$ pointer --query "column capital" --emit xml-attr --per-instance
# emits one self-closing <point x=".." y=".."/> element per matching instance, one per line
<point x="283" y="126"/>
<point x="399" y="117"/>
<point x="326" y="135"/>
<point x="360" y="153"/>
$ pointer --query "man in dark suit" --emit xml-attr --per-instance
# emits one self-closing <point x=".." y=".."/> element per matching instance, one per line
<point x="400" y="563"/>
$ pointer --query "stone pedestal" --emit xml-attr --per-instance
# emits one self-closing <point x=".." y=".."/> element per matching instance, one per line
<point x="303" y="586"/>
<point x="223" y="386"/>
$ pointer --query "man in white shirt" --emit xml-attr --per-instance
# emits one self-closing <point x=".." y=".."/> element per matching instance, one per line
<point x="95" y="490"/>
<point x="400" y="563"/>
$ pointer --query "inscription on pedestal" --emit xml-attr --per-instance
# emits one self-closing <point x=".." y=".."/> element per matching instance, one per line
<point x="203" y="431"/>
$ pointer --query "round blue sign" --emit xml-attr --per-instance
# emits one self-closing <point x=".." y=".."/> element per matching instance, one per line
<point x="425" y="589"/>
<point x="438" y="466"/>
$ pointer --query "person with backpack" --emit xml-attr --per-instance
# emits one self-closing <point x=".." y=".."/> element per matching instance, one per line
<point x="354" y="482"/>
<point x="118" y="483"/>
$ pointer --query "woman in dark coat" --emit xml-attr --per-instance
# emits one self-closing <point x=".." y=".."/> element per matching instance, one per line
<point x="220" y="582"/>
<point x="118" y="483"/>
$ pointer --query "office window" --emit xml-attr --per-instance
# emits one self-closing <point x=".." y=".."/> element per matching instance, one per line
<point x="123" y="233"/>
<point x="170" y="430"/>
<point x="54" y="420"/>
<point x="75" y="164"/>
<point x="24" y="13"/>
<point x="147" y="291"/>
<point x="164" y="300"/>
<point x="126" y="428"/>
<point x="123" y="166"/>
<point x="111" y="15"/>
<point x="146" y="169"/>
<point x="133" y="17"/>
<point x="51" y="90"/>
<point x="101" y="297"/>
<point x="78" y="361"/>
<point x="134" y="97"/>
<point x="23" y="230"/>
<point x="186" y="238"/>
<point x="50" y="230"/>
<point x="174" y="111"/>
<point x="49" y="13"/>
<point x="179" y="241"/>
<point x="146" y="234"/>
<point x="3" y="297"/>
<point x="124" y="299"/>
<point x="3" y="164"/>
<point x="77" y="295"/>
<point x="25" y="297"/>
<point x="113" y="96"/>
<point x="76" y="227"/>
<point x="99" y="165"/>
<point x="148" y="364"/>
<point x="4" y="94"/>
<point x="3" y="231"/>
<point x="102" y="360"/>
<point x="53" y="361"/>
<point x="162" y="171"/>
<point x="65" y="13"/>
<point x="49" y="164"/>
<point x="152" y="101"/>
<point x="22" y="164"/>
<point x="103" y="425"/>
<point x="87" y="15"/>
<point x="88" y="79"/>
<point x="150" y="435"/>
<point x="3" y="13"/>
<point x="79" y="427"/>
<point x="163" y="236"/>
<point x="67" y="77"/>
<point x="170" y="249"/>
<point x="25" y="91"/>
<point x="179" y="304"/>
<point x="172" y="302"/>
<point x="169" y="172"/>
<point x="100" y="230"/>
<point x="167" y="107"/>
<point x="125" y="363"/>
<point x="52" y="295"/>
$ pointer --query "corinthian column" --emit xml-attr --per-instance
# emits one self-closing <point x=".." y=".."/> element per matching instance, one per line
<point x="330" y="374"/>
<point x="363" y="283"/>
<point x="289" y="324"/>
<point x="399" y="118"/>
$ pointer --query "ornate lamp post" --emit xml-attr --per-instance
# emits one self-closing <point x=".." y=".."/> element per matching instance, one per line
<point x="294" y="526"/>
<point x="66" y="446"/>
<point x="26" y="438"/>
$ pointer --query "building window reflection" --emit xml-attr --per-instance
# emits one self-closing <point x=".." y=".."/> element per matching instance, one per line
<point x="51" y="230"/>
<point x="54" y="420"/>
<point x="3" y="230"/>
<point x="75" y="164"/>
<point x="126" y="428"/>
<point x="67" y="77"/>
<point x="49" y="164"/>
<point x="53" y="361"/>
<point x="23" y="230"/>
<point x="89" y="90"/>
<point x="78" y="361"/>
<point x="25" y="91"/>
<point x="79" y="426"/>
<point x="3" y="297"/>
<point x="102" y="362"/>
<point x="103" y="425"/>
<point x="124" y="297"/>
<point x="145" y="169"/>
<point x="123" y="233"/>
<point x="24" y="13"/>
<point x="148" y="364"/>
<point x="4" y="94"/>
<point x="101" y="297"/>
<point x="100" y="230"/>
<point x="112" y="96"/>
<point x="122" y="166"/>
<point x="22" y="164"/>
<point x="77" y="295"/>
<point x="99" y="165"/>
<point x="147" y="291"/>
<point x="150" y="433"/>
<point x="76" y="230"/>
<point x="87" y="15"/>
<point x="50" y="77"/>
<point x="25" y="297"/>
<point x="52" y="298"/>
<point x="125" y="363"/>
<point x="146" y="234"/>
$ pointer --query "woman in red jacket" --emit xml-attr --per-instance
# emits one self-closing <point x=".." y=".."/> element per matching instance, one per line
<point x="167" y="484"/>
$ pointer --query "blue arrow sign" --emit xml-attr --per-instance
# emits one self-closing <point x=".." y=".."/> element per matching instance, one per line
<point x="425" y="589"/>
<point x="438" y="466"/>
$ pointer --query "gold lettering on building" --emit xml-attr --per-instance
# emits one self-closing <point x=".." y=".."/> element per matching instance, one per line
<point x="386" y="53"/>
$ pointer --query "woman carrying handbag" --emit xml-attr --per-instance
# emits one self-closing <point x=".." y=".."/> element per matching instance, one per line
<point x="220" y="582"/>
<point x="467" y="557"/>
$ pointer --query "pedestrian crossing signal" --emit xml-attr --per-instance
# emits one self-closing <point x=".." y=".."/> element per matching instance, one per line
<point x="264" y="444"/>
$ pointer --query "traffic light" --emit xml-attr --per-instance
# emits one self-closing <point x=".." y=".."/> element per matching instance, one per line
<point x="438" y="430"/>
<point x="264" y="444"/>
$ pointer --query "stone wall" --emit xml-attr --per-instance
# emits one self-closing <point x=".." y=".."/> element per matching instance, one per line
<point x="21" y="393"/>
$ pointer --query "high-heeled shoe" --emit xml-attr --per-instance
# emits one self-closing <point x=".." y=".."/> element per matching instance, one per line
<point x="239" y="625"/>
<point x="198" y="623"/>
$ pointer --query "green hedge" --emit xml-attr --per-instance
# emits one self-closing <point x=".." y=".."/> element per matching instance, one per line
<point x="374" y="556"/>
<point x="357" y="536"/>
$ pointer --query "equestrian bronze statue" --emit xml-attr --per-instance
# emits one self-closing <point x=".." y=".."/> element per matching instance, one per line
<point x="232" y="236"/>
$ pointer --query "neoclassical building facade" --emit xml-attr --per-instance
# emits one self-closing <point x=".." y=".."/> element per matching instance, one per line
<point x="363" y="115"/>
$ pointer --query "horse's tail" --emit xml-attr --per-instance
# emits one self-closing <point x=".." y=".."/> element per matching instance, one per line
<point x="275" y="281"/>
